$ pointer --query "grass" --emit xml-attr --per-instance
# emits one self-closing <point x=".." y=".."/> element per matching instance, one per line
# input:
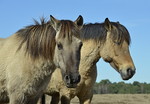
<point x="115" y="99"/>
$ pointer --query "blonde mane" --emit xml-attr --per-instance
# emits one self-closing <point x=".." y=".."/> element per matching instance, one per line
<point x="39" y="39"/>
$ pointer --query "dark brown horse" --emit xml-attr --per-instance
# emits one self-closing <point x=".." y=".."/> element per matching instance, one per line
<point x="109" y="41"/>
<point x="28" y="58"/>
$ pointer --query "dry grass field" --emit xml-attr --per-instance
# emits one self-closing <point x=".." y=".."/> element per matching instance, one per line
<point x="116" y="99"/>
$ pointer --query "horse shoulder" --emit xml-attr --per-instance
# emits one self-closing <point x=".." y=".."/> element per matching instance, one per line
<point x="55" y="82"/>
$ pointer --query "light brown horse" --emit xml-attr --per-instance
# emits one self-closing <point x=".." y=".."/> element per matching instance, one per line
<point x="28" y="58"/>
<point x="109" y="41"/>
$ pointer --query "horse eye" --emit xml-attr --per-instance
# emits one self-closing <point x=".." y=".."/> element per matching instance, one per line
<point x="109" y="60"/>
<point x="59" y="46"/>
<point x="118" y="43"/>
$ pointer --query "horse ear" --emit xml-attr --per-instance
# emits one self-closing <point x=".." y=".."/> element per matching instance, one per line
<point x="79" y="21"/>
<point x="54" y="23"/>
<point x="107" y="24"/>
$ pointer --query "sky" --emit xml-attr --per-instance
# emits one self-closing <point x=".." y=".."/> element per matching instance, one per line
<point x="133" y="14"/>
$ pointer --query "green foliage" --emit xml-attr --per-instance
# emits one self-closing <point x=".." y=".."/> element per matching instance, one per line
<point x="105" y="87"/>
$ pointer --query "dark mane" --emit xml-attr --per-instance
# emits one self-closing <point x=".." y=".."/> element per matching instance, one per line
<point x="98" y="32"/>
<point x="122" y="35"/>
<point x="39" y="39"/>
<point x="93" y="31"/>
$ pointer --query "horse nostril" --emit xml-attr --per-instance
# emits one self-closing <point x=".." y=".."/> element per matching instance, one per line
<point x="67" y="77"/>
<point x="130" y="72"/>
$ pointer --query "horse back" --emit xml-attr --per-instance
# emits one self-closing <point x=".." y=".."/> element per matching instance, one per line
<point x="8" y="49"/>
<point x="1" y="41"/>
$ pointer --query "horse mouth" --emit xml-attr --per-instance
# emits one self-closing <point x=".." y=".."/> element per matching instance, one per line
<point x="71" y="85"/>
<point x="126" y="77"/>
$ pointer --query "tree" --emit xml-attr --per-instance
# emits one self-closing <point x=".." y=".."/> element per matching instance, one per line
<point x="105" y="86"/>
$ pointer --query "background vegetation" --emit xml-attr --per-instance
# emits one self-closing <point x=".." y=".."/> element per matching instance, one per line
<point x="107" y="87"/>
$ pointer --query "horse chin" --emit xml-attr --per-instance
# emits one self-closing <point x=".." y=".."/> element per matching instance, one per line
<point x="125" y="77"/>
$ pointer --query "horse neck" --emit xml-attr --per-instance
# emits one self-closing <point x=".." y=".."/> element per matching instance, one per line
<point x="40" y="62"/>
<point x="89" y="55"/>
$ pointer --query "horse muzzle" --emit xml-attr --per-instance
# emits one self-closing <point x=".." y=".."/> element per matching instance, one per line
<point x="127" y="74"/>
<point x="71" y="82"/>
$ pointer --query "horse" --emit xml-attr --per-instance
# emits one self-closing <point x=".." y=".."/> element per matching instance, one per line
<point x="29" y="57"/>
<point x="109" y="41"/>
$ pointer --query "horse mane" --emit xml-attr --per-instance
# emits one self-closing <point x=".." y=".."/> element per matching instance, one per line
<point x="122" y="35"/>
<point x="98" y="32"/>
<point x="39" y="39"/>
